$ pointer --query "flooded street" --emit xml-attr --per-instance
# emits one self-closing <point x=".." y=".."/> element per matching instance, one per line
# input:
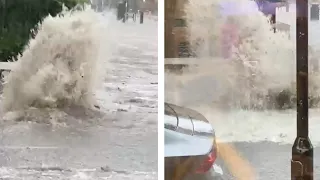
<point x="254" y="141"/>
<point x="117" y="141"/>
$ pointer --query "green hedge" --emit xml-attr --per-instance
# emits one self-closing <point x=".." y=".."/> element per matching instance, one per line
<point x="19" y="17"/>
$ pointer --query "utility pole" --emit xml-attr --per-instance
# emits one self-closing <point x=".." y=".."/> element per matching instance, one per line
<point x="302" y="150"/>
<point x="125" y="11"/>
<point x="273" y="20"/>
<point x="141" y="17"/>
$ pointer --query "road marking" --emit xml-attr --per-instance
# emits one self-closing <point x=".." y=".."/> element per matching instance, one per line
<point x="237" y="165"/>
<point x="182" y="168"/>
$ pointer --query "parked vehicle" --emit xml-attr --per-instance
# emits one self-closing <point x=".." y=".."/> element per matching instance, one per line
<point x="190" y="145"/>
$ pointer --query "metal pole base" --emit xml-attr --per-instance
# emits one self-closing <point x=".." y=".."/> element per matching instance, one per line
<point x="302" y="159"/>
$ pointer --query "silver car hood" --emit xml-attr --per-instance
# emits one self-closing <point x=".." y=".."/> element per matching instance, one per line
<point x="178" y="144"/>
<point x="185" y="136"/>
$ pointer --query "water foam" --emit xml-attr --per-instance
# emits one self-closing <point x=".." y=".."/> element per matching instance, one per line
<point x="72" y="174"/>
<point x="257" y="126"/>
<point x="62" y="65"/>
<point x="260" y="61"/>
<point x="237" y="47"/>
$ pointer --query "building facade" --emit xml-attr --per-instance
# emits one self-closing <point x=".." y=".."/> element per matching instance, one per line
<point x="176" y="37"/>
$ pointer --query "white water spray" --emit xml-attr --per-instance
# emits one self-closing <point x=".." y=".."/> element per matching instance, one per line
<point x="236" y="47"/>
<point x="61" y="66"/>
<point x="258" y="61"/>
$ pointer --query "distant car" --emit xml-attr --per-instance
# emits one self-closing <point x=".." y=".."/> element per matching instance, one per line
<point x="190" y="145"/>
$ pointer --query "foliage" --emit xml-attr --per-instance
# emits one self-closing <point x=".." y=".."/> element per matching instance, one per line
<point x="20" y="17"/>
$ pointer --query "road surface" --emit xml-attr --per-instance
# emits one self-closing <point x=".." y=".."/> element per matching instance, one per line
<point x="268" y="160"/>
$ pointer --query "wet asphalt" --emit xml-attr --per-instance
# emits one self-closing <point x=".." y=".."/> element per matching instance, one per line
<point x="268" y="160"/>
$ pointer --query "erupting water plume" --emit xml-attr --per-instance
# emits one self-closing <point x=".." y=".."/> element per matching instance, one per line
<point x="235" y="45"/>
<point x="61" y="65"/>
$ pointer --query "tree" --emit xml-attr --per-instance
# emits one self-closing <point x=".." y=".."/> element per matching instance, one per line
<point x="20" y="17"/>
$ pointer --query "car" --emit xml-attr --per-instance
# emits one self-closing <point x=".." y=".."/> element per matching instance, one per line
<point x="190" y="145"/>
